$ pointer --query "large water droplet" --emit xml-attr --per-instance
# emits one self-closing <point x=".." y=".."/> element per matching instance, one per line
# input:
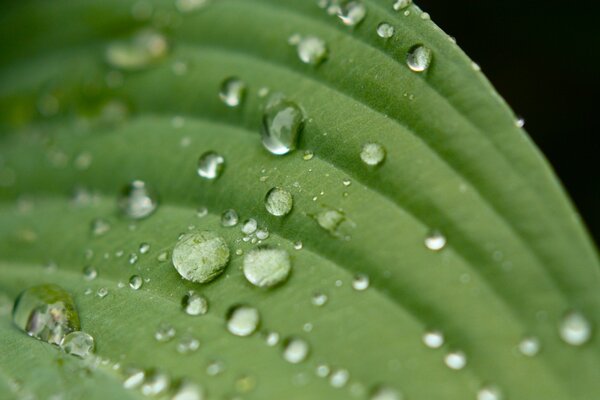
<point x="232" y="92"/>
<point x="311" y="50"/>
<point x="418" y="58"/>
<point x="200" y="257"/>
<point x="385" y="30"/>
<point x="137" y="200"/>
<point x="46" y="312"/>
<point x="211" y="165"/>
<point x="455" y="360"/>
<point x="266" y="267"/>
<point x="243" y="320"/>
<point x="78" y="343"/>
<point x="385" y="393"/>
<point x="295" y="350"/>
<point x="194" y="304"/>
<point x="278" y="202"/>
<point x="352" y="13"/>
<point x="142" y="50"/>
<point x="529" y="346"/>
<point x="372" y="154"/>
<point x="229" y="218"/>
<point x="575" y="329"/>
<point x="135" y="282"/>
<point x="282" y="122"/>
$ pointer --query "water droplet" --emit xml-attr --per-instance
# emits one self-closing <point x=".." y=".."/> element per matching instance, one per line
<point x="529" y="346"/>
<point x="46" y="312"/>
<point x="455" y="360"/>
<point x="156" y="382"/>
<point x="137" y="200"/>
<point x="143" y="49"/>
<point x="266" y="267"/>
<point x="200" y="257"/>
<point x="78" y="343"/>
<point x="339" y="378"/>
<point x="278" y="202"/>
<point x="322" y="370"/>
<point x="418" y="58"/>
<point x="215" y="368"/>
<point x="229" y="218"/>
<point x="319" y="299"/>
<point x="435" y="241"/>
<point x="295" y="350"/>
<point x="249" y="226"/>
<point x="194" y="304"/>
<point x="385" y="30"/>
<point x="187" y="6"/>
<point x="385" y="393"/>
<point x="372" y="154"/>
<point x="242" y="320"/>
<point x="433" y="339"/>
<point x="575" y="329"/>
<point x="282" y="123"/>
<point x="489" y="393"/>
<point x="311" y="50"/>
<point x="298" y="245"/>
<point x="135" y="282"/>
<point x="262" y="233"/>
<point x="520" y="122"/>
<point x="188" y="345"/>
<point x="133" y="258"/>
<point x="100" y="226"/>
<point x="360" y="282"/>
<point x="331" y="221"/>
<point x="144" y="248"/>
<point x="352" y="13"/>
<point x="308" y="155"/>
<point x="102" y="292"/>
<point x="134" y="377"/>
<point x="90" y="273"/>
<point x="232" y="92"/>
<point x="402" y="4"/>
<point x="164" y="332"/>
<point x="163" y="256"/>
<point x="211" y="165"/>
<point x="188" y="390"/>
<point x="347" y="182"/>
<point x="272" y="338"/>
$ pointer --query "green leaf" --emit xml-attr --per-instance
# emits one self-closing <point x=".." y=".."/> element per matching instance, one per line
<point x="516" y="261"/>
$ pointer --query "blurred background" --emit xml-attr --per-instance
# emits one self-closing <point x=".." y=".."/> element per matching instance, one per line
<point x="540" y="57"/>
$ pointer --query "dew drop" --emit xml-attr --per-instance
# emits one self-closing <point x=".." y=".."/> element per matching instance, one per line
<point x="249" y="226"/>
<point x="266" y="267"/>
<point x="135" y="282"/>
<point x="144" y="248"/>
<point x="164" y="332"/>
<point x="156" y="383"/>
<point x="282" y="122"/>
<point x="102" y="292"/>
<point x="187" y="345"/>
<point x="385" y="30"/>
<point x="232" y="92"/>
<point x="133" y="258"/>
<point x="46" y="312"/>
<point x="372" y="154"/>
<point x="262" y="233"/>
<point x="319" y="299"/>
<point x="352" y="13"/>
<point x="188" y="391"/>
<point x="295" y="350"/>
<point x="529" y="346"/>
<point x="433" y="339"/>
<point x="211" y="165"/>
<point x="215" y="368"/>
<point x="200" y="257"/>
<point x="140" y="51"/>
<point x="134" y="377"/>
<point x="194" y="304"/>
<point x="271" y="338"/>
<point x="137" y="200"/>
<point x="339" y="378"/>
<point x="418" y="58"/>
<point x="322" y="370"/>
<point x="385" y="393"/>
<point x="78" y="343"/>
<point x="489" y="393"/>
<point x="347" y="182"/>
<point x="575" y="329"/>
<point x="401" y="4"/>
<point x="163" y="256"/>
<point x="520" y="122"/>
<point x="311" y="50"/>
<point x="187" y="6"/>
<point x="435" y="241"/>
<point x="278" y="202"/>
<point x="100" y="227"/>
<point x="455" y="360"/>
<point x="243" y="320"/>
<point x="229" y="218"/>
<point x="90" y="273"/>
<point x="360" y="282"/>
<point x="308" y="155"/>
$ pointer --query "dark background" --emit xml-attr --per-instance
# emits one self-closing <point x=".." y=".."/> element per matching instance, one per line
<point x="542" y="58"/>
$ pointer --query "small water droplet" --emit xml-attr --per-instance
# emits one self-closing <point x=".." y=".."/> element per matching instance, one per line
<point x="100" y="226"/>
<point x="229" y="218"/>
<point x="311" y="50"/>
<point x="372" y="154"/>
<point x="347" y="182"/>
<point x="188" y="6"/>
<point x="385" y="30"/>
<point x="232" y="91"/>
<point x="215" y="368"/>
<point x="295" y="350"/>
<point x="360" y="282"/>
<point x="144" y="248"/>
<point x="271" y="338"/>
<point x="529" y="346"/>
<point x="262" y="233"/>
<point x="385" y="393"/>
<point x="352" y="13"/>
<point x="90" y="273"/>
<point x="133" y="378"/>
<point x="435" y="241"/>
<point x="78" y="343"/>
<point x="102" y="292"/>
<point x="278" y="202"/>
<point x="489" y="393"/>
<point x="163" y="256"/>
<point x="137" y="200"/>
<point x="200" y="257"/>
<point x="249" y="226"/>
<point x="339" y="378"/>
<point x="140" y="51"/>
<point x="135" y="282"/>
<point x="164" y="332"/>
<point x="319" y="299"/>
<point x="46" y="312"/>
<point x="308" y="155"/>
<point x="418" y="58"/>
<point x="242" y="320"/>
<point x="156" y="382"/>
<point x="188" y="390"/>
<point x="322" y="370"/>
<point x="520" y="122"/>
<point x="455" y="360"/>
<point x="211" y="165"/>
<point x="433" y="339"/>
<point x="188" y="345"/>
<point x="282" y="122"/>
<point x="133" y="258"/>
<point x="575" y="329"/>
<point x="194" y="304"/>
<point x="266" y="267"/>
<point x="401" y="4"/>
<point x="298" y="245"/>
